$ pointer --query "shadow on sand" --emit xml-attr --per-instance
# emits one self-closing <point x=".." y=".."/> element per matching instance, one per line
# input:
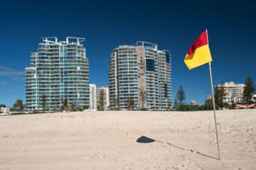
<point x="145" y="139"/>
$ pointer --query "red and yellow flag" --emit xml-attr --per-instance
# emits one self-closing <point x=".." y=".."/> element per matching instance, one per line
<point x="199" y="53"/>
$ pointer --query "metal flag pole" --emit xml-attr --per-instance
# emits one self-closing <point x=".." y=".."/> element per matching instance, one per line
<point x="214" y="111"/>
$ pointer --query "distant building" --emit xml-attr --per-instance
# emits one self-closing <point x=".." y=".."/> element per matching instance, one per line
<point x="4" y="110"/>
<point x="58" y="71"/>
<point x="102" y="98"/>
<point x="93" y="97"/>
<point x="194" y="103"/>
<point x="140" y="77"/>
<point x="254" y="98"/>
<point x="233" y="93"/>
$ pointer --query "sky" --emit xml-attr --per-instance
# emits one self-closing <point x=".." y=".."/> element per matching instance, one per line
<point x="173" y="25"/>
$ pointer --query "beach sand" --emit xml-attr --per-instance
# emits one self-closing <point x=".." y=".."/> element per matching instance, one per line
<point x="107" y="141"/>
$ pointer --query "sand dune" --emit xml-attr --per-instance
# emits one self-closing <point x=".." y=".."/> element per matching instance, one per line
<point x="107" y="140"/>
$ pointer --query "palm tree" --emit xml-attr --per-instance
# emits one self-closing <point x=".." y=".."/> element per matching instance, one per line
<point x="18" y="105"/>
<point x="248" y="90"/>
<point x="65" y="106"/>
<point x="130" y="103"/>
<point x="101" y="101"/>
<point x="44" y="102"/>
<point x="219" y="96"/>
<point x="180" y="96"/>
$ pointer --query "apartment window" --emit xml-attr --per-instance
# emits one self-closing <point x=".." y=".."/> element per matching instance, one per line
<point x="165" y="90"/>
<point x="150" y="64"/>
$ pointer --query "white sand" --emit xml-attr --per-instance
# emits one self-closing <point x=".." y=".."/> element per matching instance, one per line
<point x="107" y="141"/>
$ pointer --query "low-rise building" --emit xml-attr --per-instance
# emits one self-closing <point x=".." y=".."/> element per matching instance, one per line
<point x="5" y="110"/>
<point x="233" y="93"/>
<point x="194" y="102"/>
<point x="254" y="98"/>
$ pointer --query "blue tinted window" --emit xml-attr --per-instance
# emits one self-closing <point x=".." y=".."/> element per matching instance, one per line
<point x="150" y="65"/>
<point x="167" y="58"/>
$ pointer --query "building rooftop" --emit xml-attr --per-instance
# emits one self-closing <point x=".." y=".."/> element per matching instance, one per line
<point x="69" y="40"/>
<point x="147" y="44"/>
<point x="230" y="84"/>
<point x="144" y="44"/>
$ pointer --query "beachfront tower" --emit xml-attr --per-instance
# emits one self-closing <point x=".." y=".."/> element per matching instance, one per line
<point x="58" y="72"/>
<point x="140" y="77"/>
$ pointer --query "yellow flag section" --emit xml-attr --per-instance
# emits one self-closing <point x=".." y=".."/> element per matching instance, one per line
<point x="201" y="56"/>
<point x="199" y="53"/>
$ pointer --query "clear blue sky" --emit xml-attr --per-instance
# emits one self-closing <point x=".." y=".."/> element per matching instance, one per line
<point x="173" y="25"/>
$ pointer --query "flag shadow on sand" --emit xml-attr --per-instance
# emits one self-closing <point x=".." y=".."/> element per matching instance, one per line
<point x="145" y="139"/>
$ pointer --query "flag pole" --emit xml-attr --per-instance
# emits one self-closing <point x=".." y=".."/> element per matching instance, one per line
<point x="214" y="110"/>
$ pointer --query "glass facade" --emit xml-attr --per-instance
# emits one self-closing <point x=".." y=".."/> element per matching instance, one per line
<point x="140" y="77"/>
<point x="58" y="71"/>
<point x="150" y="65"/>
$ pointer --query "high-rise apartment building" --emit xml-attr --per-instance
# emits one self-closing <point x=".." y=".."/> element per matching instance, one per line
<point x="102" y="98"/>
<point x="140" y="77"/>
<point x="58" y="71"/>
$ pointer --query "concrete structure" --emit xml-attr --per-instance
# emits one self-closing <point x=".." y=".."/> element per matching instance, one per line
<point x="93" y="97"/>
<point x="58" y="71"/>
<point x="140" y="77"/>
<point x="102" y="98"/>
<point x="5" y="110"/>
<point x="194" y="102"/>
<point x="254" y="98"/>
<point x="233" y="93"/>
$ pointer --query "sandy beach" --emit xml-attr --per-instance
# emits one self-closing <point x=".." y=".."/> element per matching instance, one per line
<point x="107" y="140"/>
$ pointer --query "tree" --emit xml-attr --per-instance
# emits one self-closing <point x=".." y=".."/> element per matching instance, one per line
<point x="44" y="102"/>
<point x="219" y="94"/>
<point x="180" y="95"/>
<point x="2" y="105"/>
<point x="85" y="108"/>
<point x="142" y="99"/>
<point x="115" y="104"/>
<point x="175" y="103"/>
<point x="18" y="105"/>
<point x="208" y="104"/>
<point x="169" y="106"/>
<point x="130" y="103"/>
<point x="65" y="106"/>
<point x="248" y="90"/>
<point x="73" y="107"/>
<point x="100" y="106"/>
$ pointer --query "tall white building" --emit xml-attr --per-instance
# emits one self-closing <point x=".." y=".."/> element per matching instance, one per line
<point x="93" y="97"/>
<point x="58" y="72"/>
<point x="102" y="98"/>
<point x="233" y="93"/>
<point x="140" y="77"/>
